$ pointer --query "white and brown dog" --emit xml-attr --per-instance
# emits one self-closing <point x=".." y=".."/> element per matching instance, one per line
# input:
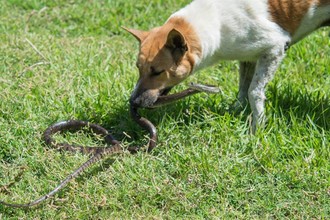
<point x="255" y="32"/>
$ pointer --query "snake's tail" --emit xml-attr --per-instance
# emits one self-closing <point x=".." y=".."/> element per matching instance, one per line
<point x="95" y="158"/>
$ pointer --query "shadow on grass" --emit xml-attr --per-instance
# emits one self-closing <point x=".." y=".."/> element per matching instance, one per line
<point x="119" y="123"/>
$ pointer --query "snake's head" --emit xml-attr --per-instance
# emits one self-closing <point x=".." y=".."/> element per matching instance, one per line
<point x="167" y="56"/>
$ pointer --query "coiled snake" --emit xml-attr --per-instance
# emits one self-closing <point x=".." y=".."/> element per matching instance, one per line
<point x="115" y="146"/>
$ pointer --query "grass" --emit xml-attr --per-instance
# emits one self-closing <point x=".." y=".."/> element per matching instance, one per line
<point x="70" y="59"/>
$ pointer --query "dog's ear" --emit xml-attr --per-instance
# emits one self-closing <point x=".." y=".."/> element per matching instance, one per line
<point x="177" y="44"/>
<point x="139" y="35"/>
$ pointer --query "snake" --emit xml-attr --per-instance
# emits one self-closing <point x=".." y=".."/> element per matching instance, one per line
<point x="114" y="146"/>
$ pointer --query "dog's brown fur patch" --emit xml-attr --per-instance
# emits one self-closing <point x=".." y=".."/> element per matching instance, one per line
<point x="289" y="13"/>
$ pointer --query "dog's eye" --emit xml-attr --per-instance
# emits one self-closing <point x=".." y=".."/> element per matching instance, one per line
<point x="154" y="72"/>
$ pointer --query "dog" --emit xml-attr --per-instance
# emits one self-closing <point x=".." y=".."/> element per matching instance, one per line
<point x="257" y="33"/>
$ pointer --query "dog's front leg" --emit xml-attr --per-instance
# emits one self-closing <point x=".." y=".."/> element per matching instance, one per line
<point x="264" y="73"/>
<point x="246" y="71"/>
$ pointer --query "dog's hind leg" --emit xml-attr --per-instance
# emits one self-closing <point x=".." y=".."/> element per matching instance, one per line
<point x="246" y="71"/>
<point x="264" y="73"/>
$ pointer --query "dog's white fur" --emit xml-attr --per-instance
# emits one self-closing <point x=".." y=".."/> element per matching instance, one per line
<point x="244" y="30"/>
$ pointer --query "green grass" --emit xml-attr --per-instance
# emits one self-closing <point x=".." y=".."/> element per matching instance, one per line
<point x="206" y="164"/>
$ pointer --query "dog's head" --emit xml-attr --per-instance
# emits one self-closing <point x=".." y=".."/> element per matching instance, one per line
<point x="167" y="56"/>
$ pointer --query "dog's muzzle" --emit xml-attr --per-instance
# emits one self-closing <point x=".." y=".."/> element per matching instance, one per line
<point x="147" y="98"/>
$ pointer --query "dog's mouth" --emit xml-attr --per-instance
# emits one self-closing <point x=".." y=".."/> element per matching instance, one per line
<point x="147" y="98"/>
<point x="162" y="98"/>
<point x="165" y="91"/>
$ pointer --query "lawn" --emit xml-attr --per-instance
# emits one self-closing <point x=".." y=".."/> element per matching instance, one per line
<point x="71" y="60"/>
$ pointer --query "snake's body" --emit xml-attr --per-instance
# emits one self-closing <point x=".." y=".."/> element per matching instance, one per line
<point x="114" y="146"/>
